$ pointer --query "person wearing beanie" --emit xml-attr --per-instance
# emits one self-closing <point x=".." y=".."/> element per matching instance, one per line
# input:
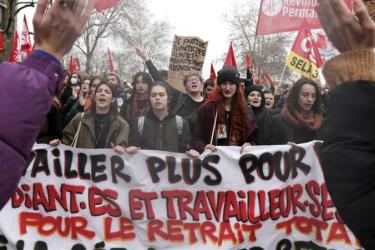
<point x="255" y="98"/>
<point x="223" y="120"/>
<point x="265" y="133"/>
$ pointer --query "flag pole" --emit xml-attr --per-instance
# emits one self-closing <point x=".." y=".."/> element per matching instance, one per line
<point x="282" y="74"/>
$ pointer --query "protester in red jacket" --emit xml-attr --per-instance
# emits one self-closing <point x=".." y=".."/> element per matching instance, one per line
<point x="27" y="88"/>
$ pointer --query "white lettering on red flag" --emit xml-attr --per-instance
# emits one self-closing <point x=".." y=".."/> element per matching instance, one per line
<point x="276" y="16"/>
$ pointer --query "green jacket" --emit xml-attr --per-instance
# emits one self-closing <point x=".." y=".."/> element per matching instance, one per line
<point x="118" y="132"/>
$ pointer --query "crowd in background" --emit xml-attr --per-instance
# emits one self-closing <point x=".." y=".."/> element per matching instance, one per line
<point x="98" y="112"/>
<point x="150" y="113"/>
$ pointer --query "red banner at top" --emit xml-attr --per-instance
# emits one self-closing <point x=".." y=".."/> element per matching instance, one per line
<point x="276" y="16"/>
<point x="101" y="5"/>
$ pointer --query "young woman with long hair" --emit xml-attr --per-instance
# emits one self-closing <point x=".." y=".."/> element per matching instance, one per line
<point x="302" y="115"/>
<point x="139" y="103"/>
<point x="223" y="120"/>
<point x="100" y="126"/>
<point x="159" y="128"/>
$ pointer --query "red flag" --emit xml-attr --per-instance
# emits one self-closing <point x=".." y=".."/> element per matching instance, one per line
<point x="74" y="65"/>
<point x="288" y="15"/>
<point x="256" y="78"/>
<point x="26" y="45"/>
<point x="101" y="5"/>
<point x="315" y="50"/>
<point x="112" y="67"/>
<point x="230" y="60"/>
<point x="71" y="67"/>
<point x="248" y="60"/>
<point x="268" y="78"/>
<point x="304" y="57"/>
<point x="1" y="42"/>
<point x="14" y="54"/>
<point x="212" y="73"/>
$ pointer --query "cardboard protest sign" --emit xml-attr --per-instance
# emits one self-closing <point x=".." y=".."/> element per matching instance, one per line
<point x="277" y="16"/>
<point x="188" y="54"/>
<point x="269" y="197"/>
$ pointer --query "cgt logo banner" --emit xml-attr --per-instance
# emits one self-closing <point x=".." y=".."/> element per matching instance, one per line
<point x="269" y="197"/>
<point x="304" y="57"/>
<point x="277" y="16"/>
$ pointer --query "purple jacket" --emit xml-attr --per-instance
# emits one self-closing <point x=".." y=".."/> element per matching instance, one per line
<point x="25" y="98"/>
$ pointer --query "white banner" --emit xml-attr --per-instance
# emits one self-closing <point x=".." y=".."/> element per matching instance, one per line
<point x="269" y="197"/>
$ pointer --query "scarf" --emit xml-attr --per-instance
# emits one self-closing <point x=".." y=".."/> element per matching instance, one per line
<point x="311" y="121"/>
<point x="140" y="104"/>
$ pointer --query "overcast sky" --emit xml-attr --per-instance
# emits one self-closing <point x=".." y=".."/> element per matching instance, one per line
<point x="202" y="18"/>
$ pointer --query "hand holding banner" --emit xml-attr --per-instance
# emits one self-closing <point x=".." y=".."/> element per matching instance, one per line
<point x="265" y="198"/>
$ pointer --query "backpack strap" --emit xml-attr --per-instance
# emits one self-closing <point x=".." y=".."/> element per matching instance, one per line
<point x="179" y="103"/>
<point x="75" y="139"/>
<point x="180" y="124"/>
<point x="141" y="122"/>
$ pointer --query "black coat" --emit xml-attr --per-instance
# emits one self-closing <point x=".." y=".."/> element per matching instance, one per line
<point x="160" y="135"/>
<point x="266" y="133"/>
<point x="286" y="133"/>
<point x="348" y="156"/>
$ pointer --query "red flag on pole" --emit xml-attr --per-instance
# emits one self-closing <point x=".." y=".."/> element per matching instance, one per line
<point x="256" y="78"/>
<point x="112" y="67"/>
<point x="14" y="54"/>
<point x="248" y="60"/>
<point x="101" y="5"/>
<point x="74" y="65"/>
<point x="26" y="45"/>
<point x="230" y="59"/>
<point x="1" y="41"/>
<point x="212" y="73"/>
<point x="71" y="67"/>
<point x="304" y="57"/>
<point x="268" y="78"/>
<point x="315" y="50"/>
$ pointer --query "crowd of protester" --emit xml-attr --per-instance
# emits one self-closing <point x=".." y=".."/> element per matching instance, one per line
<point x="100" y="112"/>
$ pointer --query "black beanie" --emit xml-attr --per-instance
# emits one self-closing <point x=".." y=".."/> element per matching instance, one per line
<point x="257" y="88"/>
<point x="228" y="73"/>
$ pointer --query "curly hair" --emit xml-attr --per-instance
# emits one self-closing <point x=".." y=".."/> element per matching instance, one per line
<point x="292" y="100"/>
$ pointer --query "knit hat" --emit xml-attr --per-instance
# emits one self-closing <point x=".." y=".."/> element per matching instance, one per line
<point x="257" y="88"/>
<point x="228" y="73"/>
